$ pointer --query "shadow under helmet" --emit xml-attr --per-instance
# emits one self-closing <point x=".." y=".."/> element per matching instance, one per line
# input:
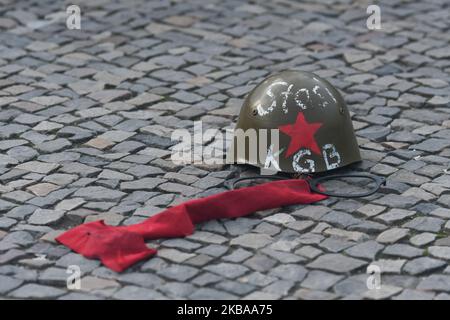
<point x="302" y="125"/>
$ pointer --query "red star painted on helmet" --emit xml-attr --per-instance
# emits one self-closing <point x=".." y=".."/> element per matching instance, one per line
<point x="302" y="135"/>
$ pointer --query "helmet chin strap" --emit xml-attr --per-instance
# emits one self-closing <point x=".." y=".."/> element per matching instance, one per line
<point x="315" y="182"/>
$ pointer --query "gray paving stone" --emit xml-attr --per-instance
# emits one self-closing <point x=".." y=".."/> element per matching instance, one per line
<point x="99" y="193"/>
<point x="238" y="255"/>
<point x="151" y="281"/>
<point x="213" y="250"/>
<point x="403" y="250"/>
<point x="280" y="288"/>
<point x="252" y="241"/>
<point x="84" y="123"/>
<point x="290" y="272"/>
<point x="397" y="201"/>
<point x="260" y="263"/>
<point x="432" y="145"/>
<point x="392" y="235"/>
<point x="142" y="184"/>
<point x="395" y="215"/>
<point x="30" y="291"/>
<point x="375" y="133"/>
<point x="86" y="265"/>
<point x="8" y="144"/>
<point x="177" y="289"/>
<point x="440" y="252"/>
<point x="227" y="270"/>
<point x="335" y="244"/>
<point x="425" y="224"/>
<point x="390" y="265"/>
<point x="53" y="276"/>
<point x="386" y="291"/>
<point x="211" y="294"/>
<point x="45" y="216"/>
<point x="235" y="287"/>
<point x="23" y="238"/>
<point x="174" y="255"/>
<point x="61" y="157"/>
<point x="6" y="205"/>
<point x="371" y="210"/>
<point x="340" y="219"/>
<point x="365" y="250"/>
<point x="22" y="153"/>
<point x="8" y="283"/>
<point x="240" y="226"/>
<point x="422" y="239"/>
<point x="181" y="244"/>
<point x="178" y="272"/>
<point x="442" y="296"/>
<point x="7" y="160"/>
<point x="280" y="218"/>
<point x="422" y="264"/>
<point x="408" y="177"/>
<point x="308" y="252"/>
<point x="319" y="280"/>
<point x="79" y="168"/>
<point x="445" y="241"/>
<point x="409" y="294"/>
<point x="435" y="282"/>
<point x="38" y="167"/>
<point x="18" y="196"/>
<point x="306" y="294"/>
<point x="6" y="223"/>
<point x="257" y="279"/>
<point x="137" y="293"/>
<point x="207" y="182"/>
<point x="199" y="260"/>
<point x="54" y="145"/>
<point x="206" y="279"/>
<point x="352" y="285"/>
<point x="207" y="237"/>
<point x="79" y="296"/>
<point x="179" y="188"/>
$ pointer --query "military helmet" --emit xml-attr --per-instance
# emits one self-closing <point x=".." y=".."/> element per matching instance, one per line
<point x="302" y="125"/>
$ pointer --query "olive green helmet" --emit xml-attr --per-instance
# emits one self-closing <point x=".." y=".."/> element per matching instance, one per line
<point x="298" y="123"/>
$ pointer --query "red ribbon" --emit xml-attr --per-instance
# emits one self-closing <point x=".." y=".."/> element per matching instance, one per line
<point x="120" y="247"/>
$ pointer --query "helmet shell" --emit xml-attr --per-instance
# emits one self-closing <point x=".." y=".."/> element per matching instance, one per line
<point x="315" y="129"/>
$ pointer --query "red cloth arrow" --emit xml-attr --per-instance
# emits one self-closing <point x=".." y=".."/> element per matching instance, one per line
<point x="120" y="247"/>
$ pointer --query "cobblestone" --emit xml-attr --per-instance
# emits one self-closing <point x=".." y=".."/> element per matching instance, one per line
<point x="367" y="250"/>
<point x="403" y="250"/>
<point x="8" y="283"/>
<point x="336" y="263"/>
<point x="423" y="264"/>
<point x="440" y="252"/>
<point x="252" y="241"/>
<point x="435" y="282"/>
<point x="392" y="235"/>
<point x="386" y="291"/>
<point x="137" y="293"/>
<point x="36" y="291"/>
<point x="319" y="280"/>
<point x="227" y="270"/>
<point x="425" y="224"/>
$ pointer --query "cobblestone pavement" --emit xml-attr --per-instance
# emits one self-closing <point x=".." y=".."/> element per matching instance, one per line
<point x="85" y="124"/>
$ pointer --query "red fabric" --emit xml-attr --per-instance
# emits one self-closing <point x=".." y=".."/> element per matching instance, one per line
<point x="120" y="247"/>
